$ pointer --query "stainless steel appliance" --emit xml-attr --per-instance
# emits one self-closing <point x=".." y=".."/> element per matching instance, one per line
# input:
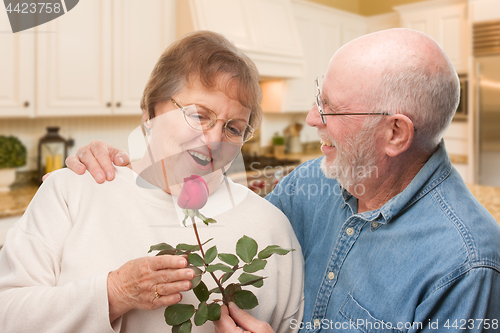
<point x="487" y="66"/>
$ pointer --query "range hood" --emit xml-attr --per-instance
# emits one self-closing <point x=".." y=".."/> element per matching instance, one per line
<point x="264" y="29"/>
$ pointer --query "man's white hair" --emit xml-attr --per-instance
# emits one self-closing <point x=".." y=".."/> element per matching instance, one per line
<point x="426" y="93"/>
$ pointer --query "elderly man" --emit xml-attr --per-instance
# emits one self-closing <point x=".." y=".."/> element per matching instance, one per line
<point x="393" y="241"/>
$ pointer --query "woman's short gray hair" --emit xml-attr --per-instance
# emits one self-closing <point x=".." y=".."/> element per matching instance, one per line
<point x="215" y="62"/>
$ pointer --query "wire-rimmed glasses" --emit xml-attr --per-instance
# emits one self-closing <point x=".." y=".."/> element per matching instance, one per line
<point x="201" y="118"/>
<point x="320" y="103"/>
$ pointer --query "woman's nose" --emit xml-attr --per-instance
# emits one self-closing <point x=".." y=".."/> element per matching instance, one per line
<point x="313" y="117"/>
<point x="214" y="135"/>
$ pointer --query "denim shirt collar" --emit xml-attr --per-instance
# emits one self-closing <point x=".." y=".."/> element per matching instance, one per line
<point x="435" y="171"/>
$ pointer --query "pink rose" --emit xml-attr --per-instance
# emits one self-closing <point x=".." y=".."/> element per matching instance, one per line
<point x="194" y="193"/>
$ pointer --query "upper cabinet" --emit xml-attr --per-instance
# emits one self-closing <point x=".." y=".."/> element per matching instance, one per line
<point x="264" y="29"/>
<point x="322" y="31"/>
<point x="96" y="59"/>
<point x="17" y="70"/>
<point x="443" y="20"/>
<point x="484" y="10"/>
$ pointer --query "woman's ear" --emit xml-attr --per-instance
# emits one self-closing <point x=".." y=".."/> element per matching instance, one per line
<point x="400" y="135"/>
<point x="145" y="116"/>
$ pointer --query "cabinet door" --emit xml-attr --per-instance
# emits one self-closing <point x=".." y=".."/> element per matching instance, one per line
<point x="212" y="15"/>
<point x="74" y="62"/>
<point x="421" y="21"/>
<point x="142" y="31"/>
<point x="17" y="65"/>
<point x="352" y="28"/>
<point x="450" y="33"/>
<point x="320" y="33"/>
<point x="300" y="92"/>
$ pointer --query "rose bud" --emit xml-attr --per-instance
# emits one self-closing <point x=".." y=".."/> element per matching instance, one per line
<point x="194" y="193"/>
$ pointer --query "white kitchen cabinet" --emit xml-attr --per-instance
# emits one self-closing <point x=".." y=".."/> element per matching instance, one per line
<point x="322" y="31"/>
<point x="17" y="64"/>
<point x="96" y="59"/>
<point x="443" y="20"/>
<point x="484" y="10"/>
<point x="381" y="22"/>
<point x="263" y="29"/>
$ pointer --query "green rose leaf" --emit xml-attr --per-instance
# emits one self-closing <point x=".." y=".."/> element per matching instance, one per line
<point x="250" y="279"/>
<point x="185" y="327"/>
<point x="219" y="267"/>
<point x="195" y="259"/>
<point x="214" y="311"/>
<point x="255" y="265"/>
<point x="273" y="249"/>
<point x="246" y="248"/>
<point x="170" y="252"/>
<point x="210" y="220"/>
<point x="226" y="276"/>
<point x="161" y="247"/>
<point x="197" y="276"/>
<point x="211" y="254"/>
<point x="216" y="290"/>
<point x="201" y="292"/>
<point x="178" y="313"/>
<point x="201" y="315"/>
<point x="245" y="299"/>
<point x="231" y="289"/>
<point x="187" y="247"/>
<point x="228" y="258"/>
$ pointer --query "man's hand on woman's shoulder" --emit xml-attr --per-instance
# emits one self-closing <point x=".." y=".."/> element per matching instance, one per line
<point x="98" y="158"/>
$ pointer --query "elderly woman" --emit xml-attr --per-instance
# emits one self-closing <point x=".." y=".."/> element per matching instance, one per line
<point x="77" y="260"/>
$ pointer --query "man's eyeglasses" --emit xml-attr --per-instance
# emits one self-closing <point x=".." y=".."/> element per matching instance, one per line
<point x="320" y="103"/>
<point x="201" y="119"/>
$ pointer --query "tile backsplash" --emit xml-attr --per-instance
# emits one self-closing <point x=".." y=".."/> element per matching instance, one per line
<point x="111" y="129"/>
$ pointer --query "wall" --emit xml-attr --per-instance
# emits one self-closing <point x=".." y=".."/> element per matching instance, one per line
<point x="113" y="130"/>
<point x="370" y="7"/>
<point x="364" y="7"/>
<point x="349" y="6"/>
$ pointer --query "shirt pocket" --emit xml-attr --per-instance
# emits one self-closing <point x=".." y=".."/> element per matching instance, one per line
<point x="353" y="318"/>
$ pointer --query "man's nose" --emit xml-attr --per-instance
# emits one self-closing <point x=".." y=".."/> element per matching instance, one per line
<point x="313" y="117"/>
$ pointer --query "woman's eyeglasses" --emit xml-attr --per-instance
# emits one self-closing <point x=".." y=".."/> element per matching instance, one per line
<point x="201" y="119"/>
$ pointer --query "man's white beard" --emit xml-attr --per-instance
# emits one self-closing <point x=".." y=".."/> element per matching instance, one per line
<point x="356" y="158"/>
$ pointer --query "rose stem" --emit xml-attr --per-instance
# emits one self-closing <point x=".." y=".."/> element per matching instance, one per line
<point x="195" y="228"/>
<point x="221" y="288"/>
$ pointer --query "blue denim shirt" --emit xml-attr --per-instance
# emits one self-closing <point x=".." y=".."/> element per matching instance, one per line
<point x="428" y="260"/>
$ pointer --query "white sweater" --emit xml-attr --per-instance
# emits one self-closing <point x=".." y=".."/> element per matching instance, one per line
<point x="56" y="259"/>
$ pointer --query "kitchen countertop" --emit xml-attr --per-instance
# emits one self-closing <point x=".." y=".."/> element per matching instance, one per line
<point x="15" y="202"/>
<point x="489" y="197"/>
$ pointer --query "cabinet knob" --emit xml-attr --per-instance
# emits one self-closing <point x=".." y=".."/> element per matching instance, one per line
<point x="108" y="104"/>
<point x="26" y="104"/>
<point x="118" y="104"/>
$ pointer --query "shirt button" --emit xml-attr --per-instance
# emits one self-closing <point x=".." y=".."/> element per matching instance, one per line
<point x="349" y="231"/>
<point x="316" y="322"/>
<point x="374" y="224"/>
<point x="331" y="275"/>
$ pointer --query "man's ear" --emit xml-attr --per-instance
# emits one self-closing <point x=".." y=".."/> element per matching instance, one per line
<point x="399" y="135"/>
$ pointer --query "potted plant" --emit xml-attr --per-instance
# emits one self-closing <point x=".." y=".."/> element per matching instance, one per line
<point x="12" y="155"/>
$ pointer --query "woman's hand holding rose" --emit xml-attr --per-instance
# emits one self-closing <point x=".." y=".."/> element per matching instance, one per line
<point x="134" y="284"/>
